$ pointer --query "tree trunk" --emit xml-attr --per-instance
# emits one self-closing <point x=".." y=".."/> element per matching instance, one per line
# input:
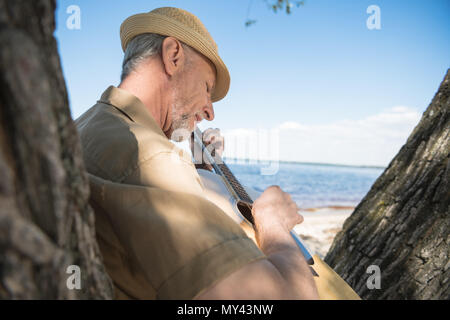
<point x="402" y="225"/>
<point x="46" y="224"/>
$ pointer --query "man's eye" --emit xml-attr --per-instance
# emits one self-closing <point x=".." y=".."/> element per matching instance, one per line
<point x="207" y="88"/>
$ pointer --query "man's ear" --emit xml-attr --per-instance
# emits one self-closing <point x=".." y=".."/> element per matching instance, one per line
<point x="173" y="55"/>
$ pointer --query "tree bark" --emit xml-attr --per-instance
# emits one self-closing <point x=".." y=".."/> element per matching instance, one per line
<point x="46" y="223"/>
<point x="403" y="223"/>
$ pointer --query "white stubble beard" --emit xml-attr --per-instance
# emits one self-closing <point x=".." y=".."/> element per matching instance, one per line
<point x="181" y="130"/>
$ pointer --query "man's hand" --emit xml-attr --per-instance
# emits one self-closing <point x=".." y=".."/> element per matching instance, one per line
<point x="284" y="274"/>
<point x="214" y="142"/>
<point x="275" y="214"/>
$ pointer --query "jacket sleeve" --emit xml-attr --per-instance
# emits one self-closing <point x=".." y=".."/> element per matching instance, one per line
<point x="182" y="242"/>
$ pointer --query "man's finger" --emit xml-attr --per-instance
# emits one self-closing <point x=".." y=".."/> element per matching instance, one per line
<point x="209" y="134"/>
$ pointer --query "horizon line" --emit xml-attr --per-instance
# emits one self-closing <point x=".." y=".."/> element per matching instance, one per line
<point x="308" y="163"/>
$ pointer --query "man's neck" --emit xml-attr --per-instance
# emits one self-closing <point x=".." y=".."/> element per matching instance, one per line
<point x="151" y="93"/>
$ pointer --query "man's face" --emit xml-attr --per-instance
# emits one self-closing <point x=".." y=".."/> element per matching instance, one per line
<point x="191" y="99"/>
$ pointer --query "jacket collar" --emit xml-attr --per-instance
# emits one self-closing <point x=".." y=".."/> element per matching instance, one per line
<point x="131" y="106"/>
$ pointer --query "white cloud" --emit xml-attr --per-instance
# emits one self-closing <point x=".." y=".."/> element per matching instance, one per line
<point x="290" y="125"/>
<point x="374" y="140"/>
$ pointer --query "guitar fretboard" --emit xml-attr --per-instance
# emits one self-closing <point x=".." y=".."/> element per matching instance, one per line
<point x="222" y="169"/>
<point x="235" y="184"/>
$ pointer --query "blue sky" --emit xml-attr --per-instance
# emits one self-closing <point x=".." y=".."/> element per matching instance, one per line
<point x="339" y="92"/>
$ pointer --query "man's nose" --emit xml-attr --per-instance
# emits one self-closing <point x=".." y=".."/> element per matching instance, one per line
<point x="208" y="111"/>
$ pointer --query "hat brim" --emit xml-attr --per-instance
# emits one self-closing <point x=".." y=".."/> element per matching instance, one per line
<point x="159" y="24"/>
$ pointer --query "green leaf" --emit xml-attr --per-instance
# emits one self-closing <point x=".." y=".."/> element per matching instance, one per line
<point x="249" y="22"/>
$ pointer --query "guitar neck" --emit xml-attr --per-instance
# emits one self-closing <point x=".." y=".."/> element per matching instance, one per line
<point x="226" y="173"/>
<point x="222" y="169"/>
<point x="243" y="202"/>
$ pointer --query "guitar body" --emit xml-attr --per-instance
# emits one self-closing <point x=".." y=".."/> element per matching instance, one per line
<point x="218" y="193"/>
<point x="329" y="284"/>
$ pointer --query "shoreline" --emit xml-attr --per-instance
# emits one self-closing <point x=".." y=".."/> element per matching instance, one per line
<point x="316" y="209"/>
<point x="320" y="226"/>
<point x="242" y="161"/>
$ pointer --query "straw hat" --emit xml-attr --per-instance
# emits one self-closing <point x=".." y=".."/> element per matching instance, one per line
<point x="185" y="27"/>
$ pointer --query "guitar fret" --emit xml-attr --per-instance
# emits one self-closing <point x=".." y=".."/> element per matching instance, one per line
<point x="237" y="187"/>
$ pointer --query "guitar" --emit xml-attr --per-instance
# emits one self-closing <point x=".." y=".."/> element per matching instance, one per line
<point x="225" y="190"/>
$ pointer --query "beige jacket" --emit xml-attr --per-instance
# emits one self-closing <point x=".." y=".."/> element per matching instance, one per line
<point x="159" y="236"/>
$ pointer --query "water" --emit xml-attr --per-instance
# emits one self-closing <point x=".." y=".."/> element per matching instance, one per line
<point x="312" y="185"/>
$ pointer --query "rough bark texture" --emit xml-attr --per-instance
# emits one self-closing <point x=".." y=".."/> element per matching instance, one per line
<point x="46" y="223"/>
<point x="403" y="223"/>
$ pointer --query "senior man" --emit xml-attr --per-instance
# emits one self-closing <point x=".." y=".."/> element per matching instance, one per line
<point x="159" y="235"/>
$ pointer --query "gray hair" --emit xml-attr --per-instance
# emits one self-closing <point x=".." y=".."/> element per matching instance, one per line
<point x="141" y="47"/>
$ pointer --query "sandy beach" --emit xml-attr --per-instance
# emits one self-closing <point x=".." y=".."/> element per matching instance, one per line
<point x="320" y="226"/>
